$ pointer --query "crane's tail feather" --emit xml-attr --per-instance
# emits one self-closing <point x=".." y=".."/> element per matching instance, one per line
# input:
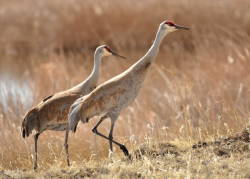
<point x="23" y="133"/>
<point x="74" y="115"/>
<point x="25" y="129"/>
<point x="29" y="123"/>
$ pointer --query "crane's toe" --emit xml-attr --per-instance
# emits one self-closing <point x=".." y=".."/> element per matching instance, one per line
<point x="110" y="154"/>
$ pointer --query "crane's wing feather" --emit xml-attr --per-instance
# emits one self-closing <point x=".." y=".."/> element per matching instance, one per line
<point x="75" y="114"/>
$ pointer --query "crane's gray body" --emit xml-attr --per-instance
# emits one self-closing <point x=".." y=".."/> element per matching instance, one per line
<point x="117" y="93"/>
<point x="109" y="98"/>
<point x="51" y="113"/>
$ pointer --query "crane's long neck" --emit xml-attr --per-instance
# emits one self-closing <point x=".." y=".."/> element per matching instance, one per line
<point x="94" y="75"/>
<point x="150" y="56"/>
<point x="92" y="79"/>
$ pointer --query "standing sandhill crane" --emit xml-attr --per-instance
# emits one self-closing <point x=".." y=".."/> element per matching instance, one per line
<point x="109" y="98"/>
<point x="52" y="112"/>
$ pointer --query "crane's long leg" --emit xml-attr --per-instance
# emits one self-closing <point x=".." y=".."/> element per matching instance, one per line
<point x="35" y="157"/>
<point x="122" y="147"/>
<point x="111" y="135"/>
<point x="101" y="120"/>
<point x="66" y="146"/>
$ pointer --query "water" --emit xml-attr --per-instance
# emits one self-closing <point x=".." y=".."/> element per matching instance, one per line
<point x="14" y="92"/>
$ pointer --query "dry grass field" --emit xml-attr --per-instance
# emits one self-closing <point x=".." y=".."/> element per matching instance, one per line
<point x="191" y="116"/>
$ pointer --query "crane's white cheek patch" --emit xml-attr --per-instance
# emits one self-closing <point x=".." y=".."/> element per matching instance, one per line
<point x="107" y="53"/>
<point x="171" y="29"/>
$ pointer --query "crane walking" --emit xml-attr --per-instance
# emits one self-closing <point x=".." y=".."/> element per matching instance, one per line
<point x="109" y="98"/>
<point x="52" y="112"/>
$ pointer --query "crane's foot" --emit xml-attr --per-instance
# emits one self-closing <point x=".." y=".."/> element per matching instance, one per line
<point x="125" y="150"/>
<point x="110" y="153"/>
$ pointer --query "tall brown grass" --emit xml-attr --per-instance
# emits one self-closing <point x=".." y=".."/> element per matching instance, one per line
<point x="198" y="89"/>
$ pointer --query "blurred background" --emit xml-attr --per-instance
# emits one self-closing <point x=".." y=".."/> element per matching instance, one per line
<point x="198" y="89"/>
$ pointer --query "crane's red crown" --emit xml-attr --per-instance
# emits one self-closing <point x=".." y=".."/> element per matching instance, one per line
<point x="169" y="23"/>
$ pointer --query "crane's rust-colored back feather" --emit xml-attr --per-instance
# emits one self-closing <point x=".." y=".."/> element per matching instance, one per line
<point x="51" y="111"/>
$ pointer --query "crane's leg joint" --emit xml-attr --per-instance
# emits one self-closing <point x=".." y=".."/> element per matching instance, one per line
<point x="94" y="130"/>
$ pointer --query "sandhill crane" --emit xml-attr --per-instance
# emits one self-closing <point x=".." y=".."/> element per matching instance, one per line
<point x="109" y="98"/>
<point x="52" y="112"/>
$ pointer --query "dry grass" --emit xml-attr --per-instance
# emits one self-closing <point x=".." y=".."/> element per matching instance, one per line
<point x="225" y="158"/>
<point x="198" y="89"/>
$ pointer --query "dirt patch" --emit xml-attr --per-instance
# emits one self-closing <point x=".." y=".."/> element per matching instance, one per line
<point x="238" y="143"/>
<point x="156" y="150"/>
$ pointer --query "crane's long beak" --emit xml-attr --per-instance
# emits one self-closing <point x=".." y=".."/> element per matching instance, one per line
<point x="181" y="27"/>
<point x="117" y="55"/>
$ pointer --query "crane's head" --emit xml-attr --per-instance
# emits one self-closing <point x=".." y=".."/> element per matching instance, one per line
<point x="169" y="26"/>
<point x="106" y="51"/>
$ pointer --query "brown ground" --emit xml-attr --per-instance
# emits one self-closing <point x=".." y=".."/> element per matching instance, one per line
<point x="227" y="157"/>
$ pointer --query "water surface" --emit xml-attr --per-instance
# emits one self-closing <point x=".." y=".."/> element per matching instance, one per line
<point x="14" y="93"/>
